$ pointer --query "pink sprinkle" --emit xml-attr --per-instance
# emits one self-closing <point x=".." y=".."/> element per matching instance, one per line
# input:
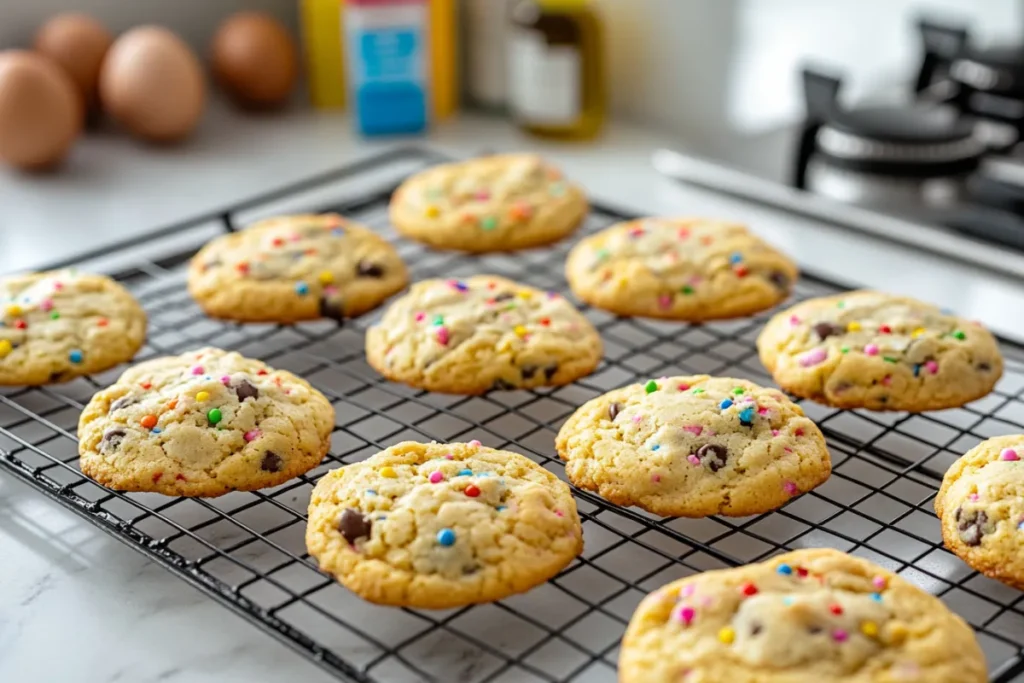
<point x="449" y="456"/>
<point x="871" y="350"/>
<point x="637" y="419"/>
<point x="330" y="290"/>
<point x="693" y="459"/>
<point x="295" y="237"/>
<point x="694" y="429"/>
<point x="879" y="582"/>
<point x="558" y="513"/>
<point x="436" y="477"/>
<point x="225" y="380"/>
<point x="442" y="336"/>
<point x="655" y="478"/>
<point x="420" y="316"/>
<point x="251" y="436"/>
<point x="787" y="449"/>
<point x="636" y="232"/>
<point x="482" y="196"/>
<point x="683" y="387"/>
<point x="57" y="286"/>
<point x="931" y="366"/>
<point x="474" y="442"/>
<point x="775" y="432"/>
<point x="664" y="301"/>
<point x="839" y="635"/>
<point x="688" y="590"/>
<point x="1009" y="454"/>
<point x="46" y="305"/>
<point x="794" y="321"/>
<point x="813" y="357"/>
<point x="973" y="497"/>
<point x="762" y="411"/>
<point x="887" y="380"/>
<point x="686" y="614"/>
<point x="790" y="488"/>
<point x="799" y="432"/>
<point x="198" y="370"/>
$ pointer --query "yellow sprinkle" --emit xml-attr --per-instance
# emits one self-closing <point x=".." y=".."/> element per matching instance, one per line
<point x="388" y="472"/>
<point x="869" y="628"/>
<point x="326" y="277"/>
<point x="623" y="282"/>
<point x="853" y="327"/>
<point x="14" y="309"/>
<point x="520" y="330"/>
<point x="525" y="294"/>
<point x="727" y="635"/>
<point x="918" y="332"/>
<point x="5" y="347"/>
<point x="432" y="211"/>
<point x="202" y="396"/>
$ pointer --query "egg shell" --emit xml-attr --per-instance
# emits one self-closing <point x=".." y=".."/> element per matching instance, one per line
<point x="78" y="43"/>
<point x="40" y="111"/>
<point x="153" y="85"/>
<point x="254" y="60"/>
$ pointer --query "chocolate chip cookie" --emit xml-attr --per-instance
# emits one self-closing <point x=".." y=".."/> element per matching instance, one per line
<point x="485" y="332"/>
<point x="293" y="268"/>
<point x="203" y="424"/>
<point x="59" y="325"/>
<point x="809" y="616"/>
<point x="495" y="203"/>
<point x="874" y="350"/>
<point x="981" y="505"/>
<point x="442" y="525"/>
<point x="693" y="447"/>
<point x="679" y="269"/>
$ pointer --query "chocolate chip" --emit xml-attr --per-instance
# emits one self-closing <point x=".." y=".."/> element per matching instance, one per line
<point x="826" y="330"/>
<point x="329" y="308"/>
<point x="984" y="367"/>
<point x="755" y="628"/>
<point x="354" y="525"/>
<point x="814" y="630"/>
<point x="272" y="462"/>
<point x="712" y="455"/>
<point x="123" y="402"/>
<point x="780" y="280"/>
<point x="501" y="384"/>
<point x="368" y="269"/>
<point x="504" y="296"/>
<point x="550" y="371"/>
<point x="245" y="390"/>
<point x="528" y="371"/>
<point x="971" y="526"/>
<point x="112" y="438"/>
<point x="614" y="410"/>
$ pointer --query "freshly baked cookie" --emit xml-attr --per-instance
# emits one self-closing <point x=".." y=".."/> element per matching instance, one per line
<point x="203" y="424"/>
<point x="294" y="268"/>
<point x="59" y="325"/>
<point x="809" y="616"/>
<point x="442" y="525"/>
<point x="680" y="269"/>
<point x="981" y="505"/>
<point x="485" y="332"/>
<point x="693" y="447"/>
<point x="496" y="203"/>
<point x="873" y="350"/>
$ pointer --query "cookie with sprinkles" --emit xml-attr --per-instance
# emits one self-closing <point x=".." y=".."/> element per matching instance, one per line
<point x="482" y="333"/>
<point x="693" y="447"/>
<point x="981" y="505"/>
<point x="293" y="268"/>
<point x="679" y="269"/>
<point x="203" y="424"/>
<point x="873" y="350"/>
<point x="58" y="325"/>
<point x="496" y="203"/>
<point x="816" y="615"/>
<point x="442" y="525"/>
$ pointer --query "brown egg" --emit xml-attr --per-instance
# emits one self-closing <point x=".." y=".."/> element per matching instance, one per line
<point x="152" y="84"/>
<point x="254" y="60"/>
<point x="78" y="44"/>
<point x="40" y="111"/>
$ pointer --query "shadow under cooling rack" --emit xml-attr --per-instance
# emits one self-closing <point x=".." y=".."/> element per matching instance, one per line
<point x="246" y="550"/>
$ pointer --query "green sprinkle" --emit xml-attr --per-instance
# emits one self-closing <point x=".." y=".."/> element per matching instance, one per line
<point x="54" y="316"/>
<point x="841" y="304"/>
<point x="488" y="222"/>
<point x="214" y="416"/>
<point x="959" y="334"/>
<point x="651" y="386"/>
<point x="890" y="359"/>
<point x="439" y="320"/>
<point x="698" y="390"/>
<point x="845" y="349"/>
<point x="687" y="289"/>
<point x="738" y="390"/>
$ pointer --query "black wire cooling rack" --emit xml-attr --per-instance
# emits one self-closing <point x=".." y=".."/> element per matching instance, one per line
<point x="246" y="550"/>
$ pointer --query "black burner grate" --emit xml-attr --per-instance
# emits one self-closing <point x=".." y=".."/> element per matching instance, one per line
<point x="246" y="550"/>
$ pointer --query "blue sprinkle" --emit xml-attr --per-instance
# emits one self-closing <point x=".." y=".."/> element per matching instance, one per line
<point x="301" y="288"/>
<point x="747" y="416"/>
<point x="502" y="507"/>
<point x="736" y="257"/>
<point x="877" y="597"/>
<point x="787" y="601"/>
<point x="461" y="286"/>
<point x="726" y="403"/>
<point x="446" y="537"/>
<point x="465" y="473"/>
<point x="655" y="447"/>
<point x="917" y="370"/>
<point x="371" y="492"/>
<point x="382" y="516"/>
<point x="75" y="356"/>
<point x="1020" y="527"/>
<point x="155" y="430"/>
<point x="784" y="569"/>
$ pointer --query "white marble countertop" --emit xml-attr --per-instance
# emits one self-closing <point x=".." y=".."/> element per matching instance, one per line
<point x="75" y="604"/>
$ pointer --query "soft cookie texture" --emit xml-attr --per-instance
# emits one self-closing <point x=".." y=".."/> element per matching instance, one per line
<point x="203" y="424"/>
<point x="293" y="268"/>
<point x="496" y="203"/>
<point x="693" y="447"/>
<point x="442" y="525"/>
<point x="868" y="349"/>
<point x="814" y="616"/>
<point x="679" y="269"/>
<point x="981" y="505"/>
<point x="59" y="325"/>
<point x="485" y="332"/>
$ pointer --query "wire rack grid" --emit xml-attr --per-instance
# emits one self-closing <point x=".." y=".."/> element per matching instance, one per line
<point x="246" y="550"/>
